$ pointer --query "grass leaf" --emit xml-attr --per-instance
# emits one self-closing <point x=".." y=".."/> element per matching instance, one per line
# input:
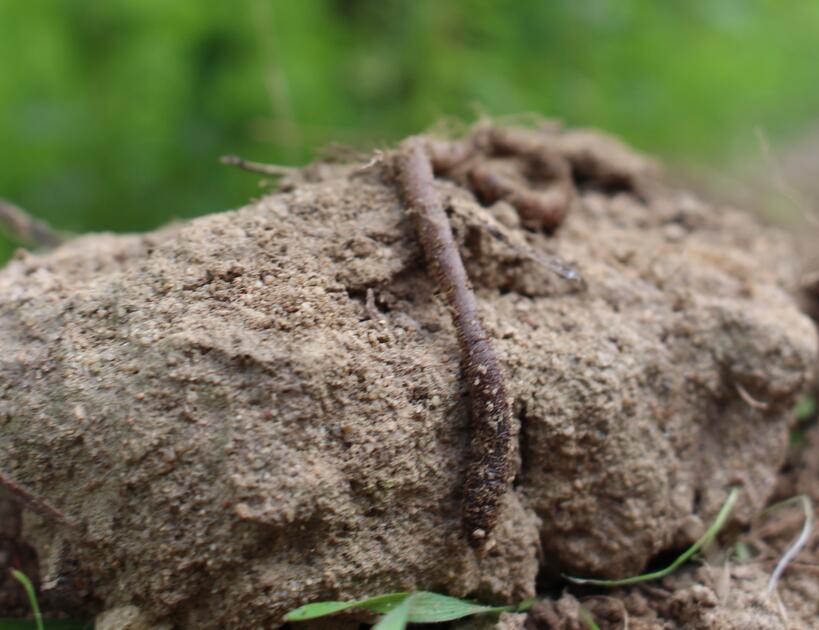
<point x="588" y="619"/>
<point x="383" y="603"/>
<point x="434" y="608"/>
<point x="398" y="617"/>
<point x="805" y="409"/>
<point x="32" y="596"/>
<point x="319" y="609"/>
<point x="526" y="604"/>
<point x="53" y="624"/>
<point x="420" y="607"/>
<point x="380" y="604"/>
<point x="704" y="540"/>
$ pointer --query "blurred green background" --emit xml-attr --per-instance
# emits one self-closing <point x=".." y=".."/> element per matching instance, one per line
<point x="113" y="114"/>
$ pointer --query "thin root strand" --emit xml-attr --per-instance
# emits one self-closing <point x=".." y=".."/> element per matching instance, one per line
<point x="258" y="167"/>
<point x="23" y="227"/>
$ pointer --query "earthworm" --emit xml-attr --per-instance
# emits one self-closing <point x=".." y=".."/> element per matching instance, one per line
<point x="488" y="475"/>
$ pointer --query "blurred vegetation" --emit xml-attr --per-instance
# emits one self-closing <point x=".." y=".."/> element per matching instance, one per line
<point x="113" y="114"/>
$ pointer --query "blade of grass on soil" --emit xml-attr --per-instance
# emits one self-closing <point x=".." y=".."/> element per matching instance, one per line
<point x="421" y="607"/>
<point x="32" y="596"/>
<point x="51" y="624"/>
<point x="380" y="604"/>
<point x="398" y="617"/>
<point x="706" y="538"/>
<point x="588" y="619"/>
<point x="805" y="409"/>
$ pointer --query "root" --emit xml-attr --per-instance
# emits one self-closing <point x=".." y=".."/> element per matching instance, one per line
<point x="796" y="546"/>
<point x="258" y="167"/>
<point x="22" y="227"/>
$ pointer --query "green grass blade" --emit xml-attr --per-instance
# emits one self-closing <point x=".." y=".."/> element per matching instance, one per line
<point x="526" y="604"/>
<point x="319" y="609"/>
<point x="425" y="607"/>
<point x="381" y="604"/>
<point x="53" y="624"/>
<point x="434" y="608"/>
<point x="706" y="538"/>
<point x="398" y="617"/>
<point x="32" y="597"/>
<point x="805" y="409"/>
<point x="588" y="619"/>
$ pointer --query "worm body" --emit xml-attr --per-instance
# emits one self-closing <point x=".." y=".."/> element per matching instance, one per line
<point x="488" y="476"/>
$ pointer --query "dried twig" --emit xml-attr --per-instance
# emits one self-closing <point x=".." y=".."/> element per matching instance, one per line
<point x="35" y="504"/>
<point x="23" y="227"/>
<point x="488" y="476"/>
<point x="257" y="167"/>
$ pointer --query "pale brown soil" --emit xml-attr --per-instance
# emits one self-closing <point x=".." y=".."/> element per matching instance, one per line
<point x="265" y="407"/>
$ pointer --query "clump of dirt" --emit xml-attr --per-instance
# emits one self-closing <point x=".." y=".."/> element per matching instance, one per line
<point x="725" y="593"/>
<point x="265" y="407"/>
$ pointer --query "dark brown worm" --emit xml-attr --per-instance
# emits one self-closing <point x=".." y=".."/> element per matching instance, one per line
<point x="23" y="227"/>
<point x="489" y="474"/>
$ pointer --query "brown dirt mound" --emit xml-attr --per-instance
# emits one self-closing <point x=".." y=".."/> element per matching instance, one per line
<point x="265" y="407"/>
<point x="725" y="593"/>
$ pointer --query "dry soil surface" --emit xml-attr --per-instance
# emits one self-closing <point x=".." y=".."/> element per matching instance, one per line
<point x="265" y="407"/>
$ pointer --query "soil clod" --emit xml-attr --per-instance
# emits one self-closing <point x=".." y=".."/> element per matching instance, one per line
<point x="238" y="429"/>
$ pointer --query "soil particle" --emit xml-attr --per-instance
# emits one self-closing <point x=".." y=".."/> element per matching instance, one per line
<point x="236" y="432"/>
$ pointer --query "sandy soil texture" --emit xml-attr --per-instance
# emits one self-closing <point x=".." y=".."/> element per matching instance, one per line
<point x="265" y="407"/>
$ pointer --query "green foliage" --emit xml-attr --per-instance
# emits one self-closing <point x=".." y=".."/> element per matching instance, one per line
<point x="402" y="608"/>
<point x="805" y="409"/>
<point x="685" y="556"/>
<point x="53" y="624"/>
<point x="37" y="623"/>
<point x="805" y="413"/>
<point x="113" y="114"/>
<point x="398" y="617"/>
<point x="588" y="619"/>
<point x="32" y="597"/>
